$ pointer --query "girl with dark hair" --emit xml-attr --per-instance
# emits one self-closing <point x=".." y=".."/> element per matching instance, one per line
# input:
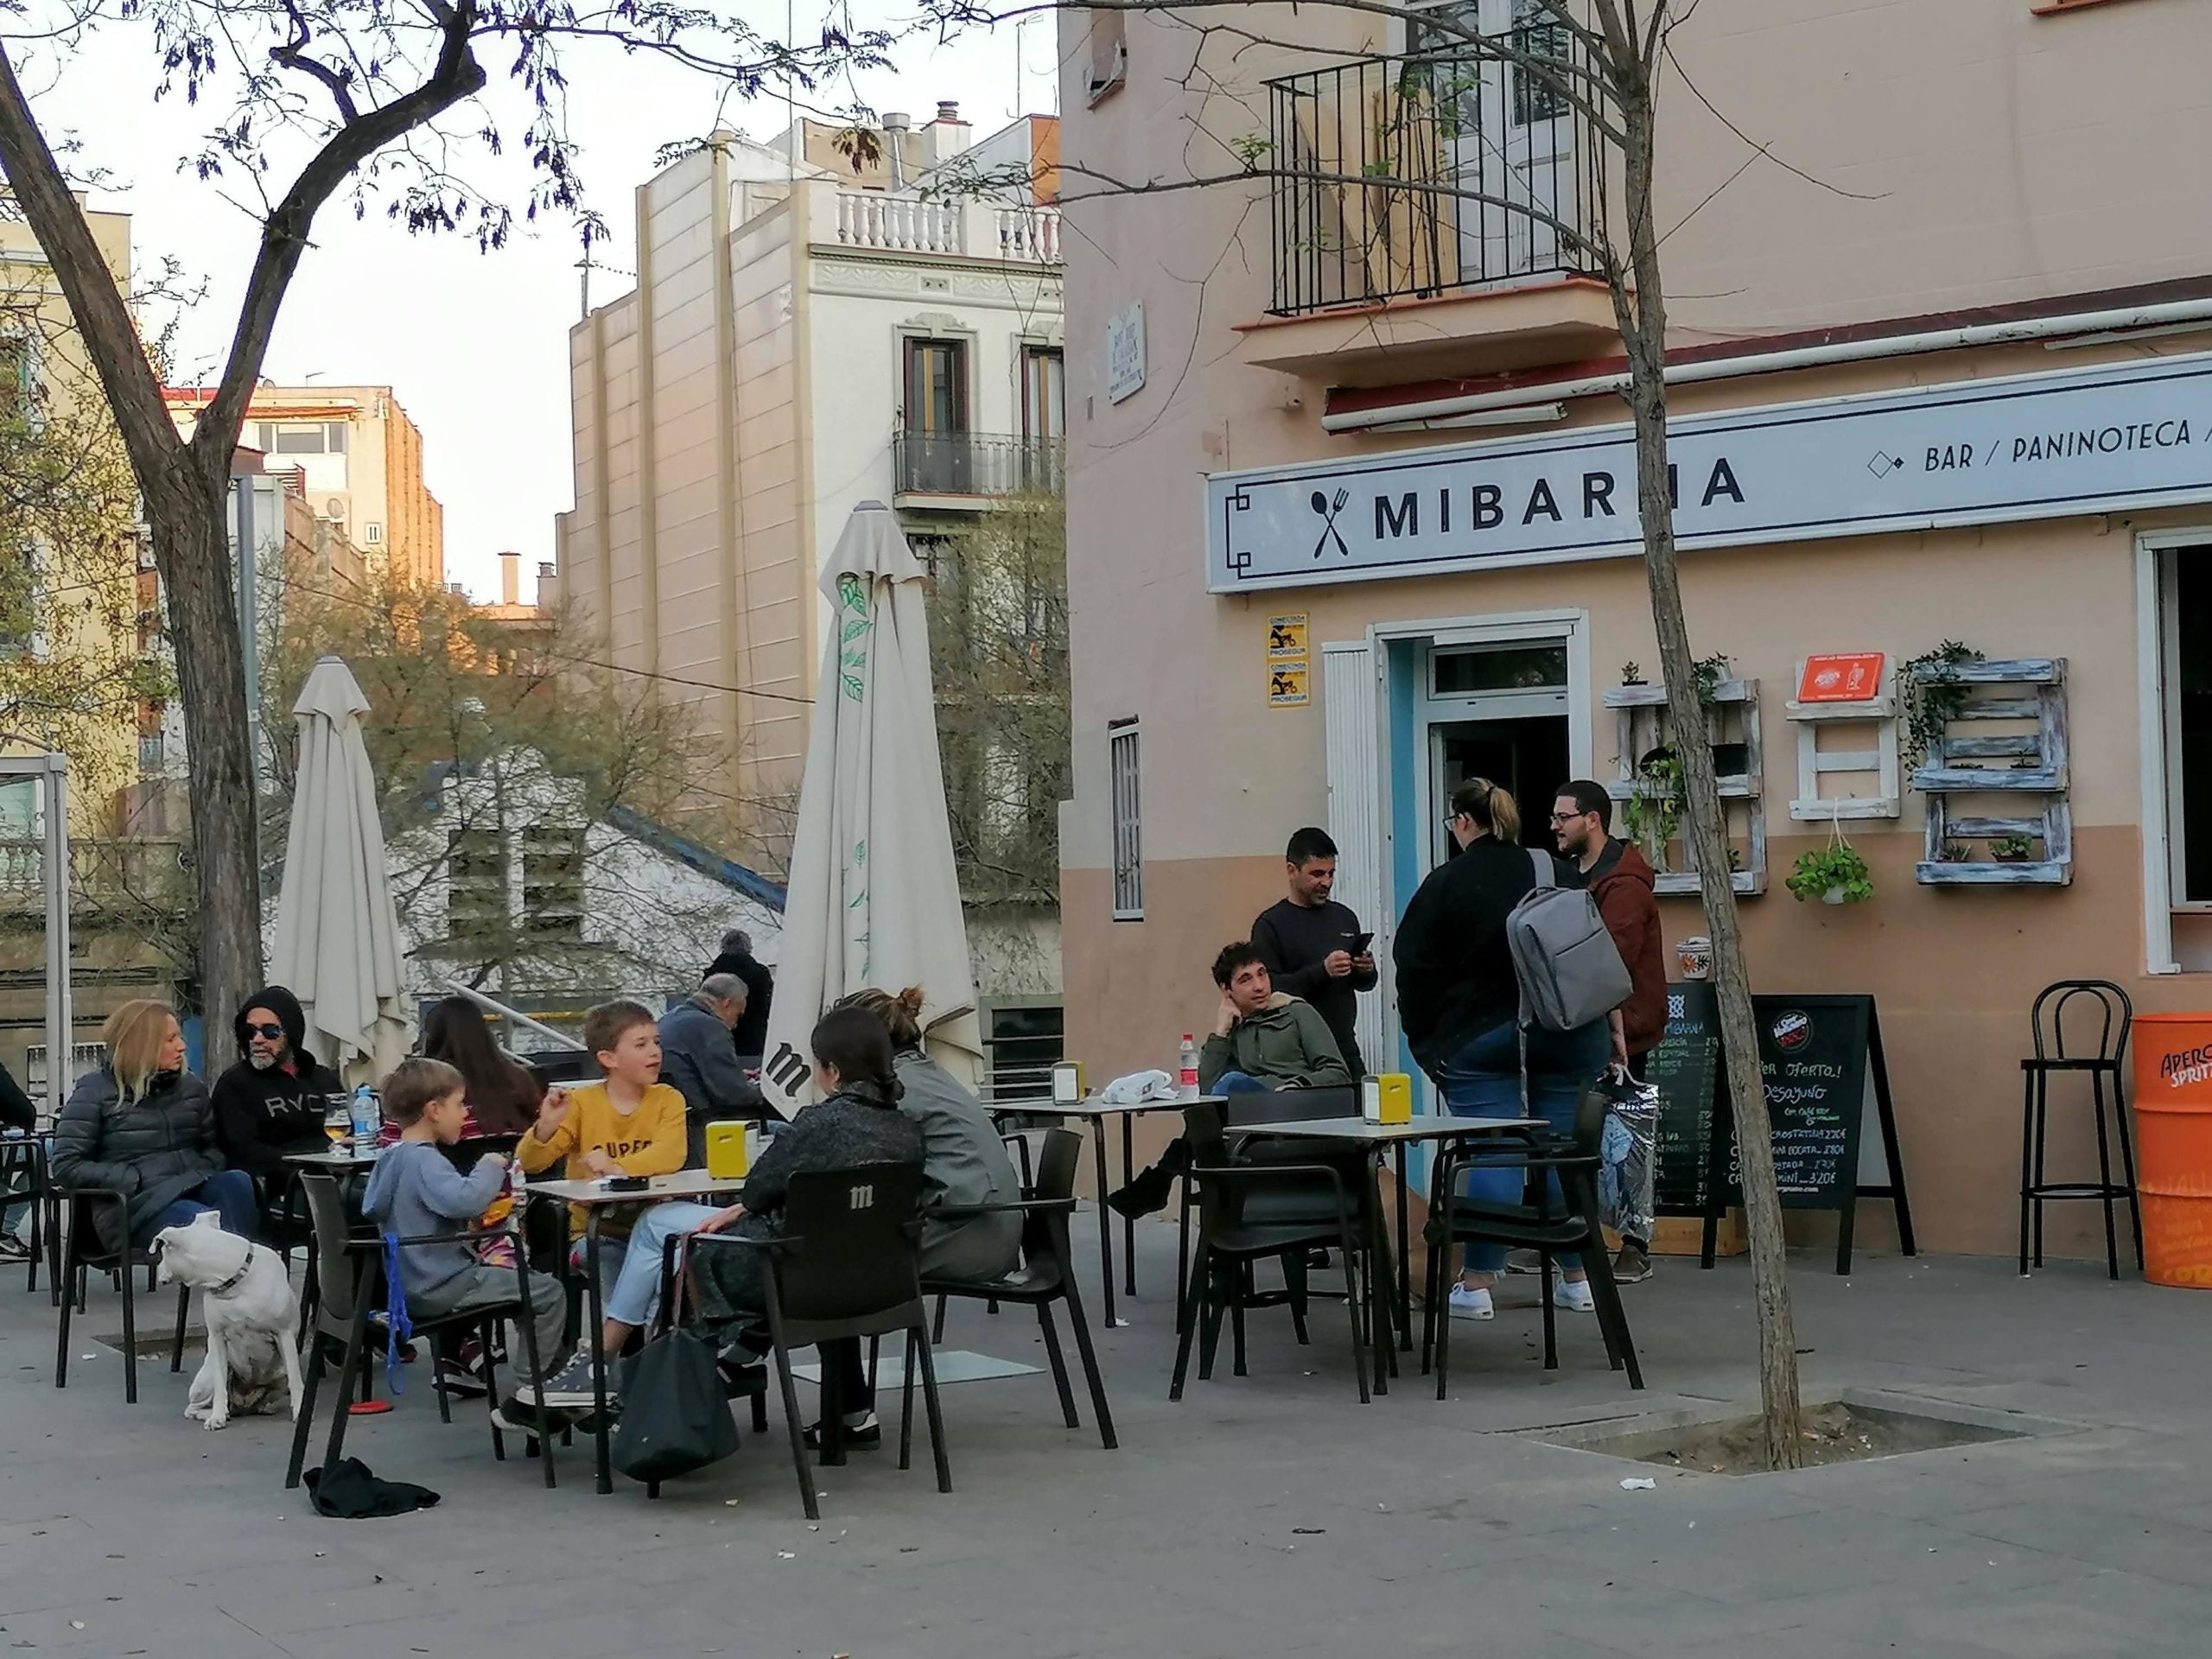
<point x="504" y="1094"/>
<point x="856" y="1121"/>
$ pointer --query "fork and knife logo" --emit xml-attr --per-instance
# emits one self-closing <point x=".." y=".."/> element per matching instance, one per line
<point x="1327" y="511"/>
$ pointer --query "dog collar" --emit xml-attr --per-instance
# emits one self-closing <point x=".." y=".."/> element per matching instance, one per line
<point x="238" y="1278"/>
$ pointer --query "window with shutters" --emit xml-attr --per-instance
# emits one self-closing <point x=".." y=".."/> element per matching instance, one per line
<point x="1128" y="840"/>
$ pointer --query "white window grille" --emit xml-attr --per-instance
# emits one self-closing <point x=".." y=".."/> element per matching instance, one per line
<point x="1128" y="841"/>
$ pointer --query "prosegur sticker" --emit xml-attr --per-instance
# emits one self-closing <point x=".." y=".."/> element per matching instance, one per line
<point x="1287" y="636"/>
<point x="1288" y="684"/>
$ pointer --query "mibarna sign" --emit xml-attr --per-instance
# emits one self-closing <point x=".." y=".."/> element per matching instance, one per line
<point x="2041" y="446"/>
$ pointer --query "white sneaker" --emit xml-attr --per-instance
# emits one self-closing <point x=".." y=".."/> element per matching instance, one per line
<point x="1470" y="1304"/>
<point x="1574" y="1297"/>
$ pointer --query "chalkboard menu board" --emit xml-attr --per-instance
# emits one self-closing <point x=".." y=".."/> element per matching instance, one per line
<point x="1687" y="1067"/>
<point x="1822" y="1060"/>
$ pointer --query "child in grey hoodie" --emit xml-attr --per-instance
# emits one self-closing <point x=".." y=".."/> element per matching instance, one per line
<point x="415" y="1190"/>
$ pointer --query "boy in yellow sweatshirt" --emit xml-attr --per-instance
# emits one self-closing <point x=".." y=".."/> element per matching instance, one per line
<point x="631" y="1124"/>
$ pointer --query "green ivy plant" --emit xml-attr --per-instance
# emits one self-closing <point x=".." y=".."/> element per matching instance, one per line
<point x="2012" y="849"/>
<point x="1818" y="873"/>
<point x="1710" y="671"/>
<point x="1653" y="807"/>
<point x="1933" y="702"/>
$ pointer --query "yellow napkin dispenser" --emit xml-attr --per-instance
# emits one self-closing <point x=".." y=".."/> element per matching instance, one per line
<point x="729" y="1156"/>
<point x="1387" y="1097"/>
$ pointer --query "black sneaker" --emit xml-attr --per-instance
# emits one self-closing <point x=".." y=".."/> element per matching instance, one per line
<point x="13" y="1249"/>
<point x="1524" y="1262"/>
<point x="1632" y="1264"/>
<point x="858" y="1437"/>
<point x="455" y="1378"/>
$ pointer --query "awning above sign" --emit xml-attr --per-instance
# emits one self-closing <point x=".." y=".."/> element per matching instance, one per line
<point x="2040" y="446"/>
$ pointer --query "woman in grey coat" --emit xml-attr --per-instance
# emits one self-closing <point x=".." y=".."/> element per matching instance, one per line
<point x="963" y="1159"/>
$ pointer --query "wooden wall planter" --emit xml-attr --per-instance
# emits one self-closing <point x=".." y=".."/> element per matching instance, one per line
<point x="2025" y="770"/>
<point x="1733" y="718"/>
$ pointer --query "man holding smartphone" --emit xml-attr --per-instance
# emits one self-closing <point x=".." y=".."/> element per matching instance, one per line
<point x="1314" y="947"/>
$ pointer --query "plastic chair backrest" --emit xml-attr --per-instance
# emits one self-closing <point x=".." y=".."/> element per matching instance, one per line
<point x="1265" y="1106"/>
<point x="2110" y="1012"/>
<point x="337" y="1269"/>
<point x="856" y="1230"/>
<point x="1056" y="1166"/>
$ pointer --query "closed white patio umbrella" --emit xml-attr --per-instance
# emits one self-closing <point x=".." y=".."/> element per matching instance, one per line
<point x="874" y="898"/>
<point x="337" y="944"/>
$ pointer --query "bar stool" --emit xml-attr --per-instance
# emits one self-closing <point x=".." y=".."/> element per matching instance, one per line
<point x="2108" y="1008"/>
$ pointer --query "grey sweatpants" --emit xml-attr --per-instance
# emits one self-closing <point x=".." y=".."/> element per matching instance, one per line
<point x="487" y="1287"/>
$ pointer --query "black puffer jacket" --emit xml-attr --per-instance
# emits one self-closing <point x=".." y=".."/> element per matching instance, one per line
<point x="153" y="1151"/>
<point x="262" y="1115"/>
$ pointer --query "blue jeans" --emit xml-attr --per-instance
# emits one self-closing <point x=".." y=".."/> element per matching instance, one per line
<point x="635" y="1285"/>
<point x="228" y="1192"/>
<point x="1237" y="1083"/>
<point x="1483" y="1080"/>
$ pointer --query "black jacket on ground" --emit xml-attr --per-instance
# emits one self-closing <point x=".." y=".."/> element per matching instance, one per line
<point x="1455" y="972"/>
<point x="153" y="1151"/>
<point x="1293" y="941"/>
<point x="750" y="1036"/>
<point x="262" y="1115"/>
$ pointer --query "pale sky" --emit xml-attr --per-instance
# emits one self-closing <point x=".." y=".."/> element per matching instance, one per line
<point x="476" y="346"/>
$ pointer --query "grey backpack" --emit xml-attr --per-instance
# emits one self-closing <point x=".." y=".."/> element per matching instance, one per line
<point x="1570" y="969"/>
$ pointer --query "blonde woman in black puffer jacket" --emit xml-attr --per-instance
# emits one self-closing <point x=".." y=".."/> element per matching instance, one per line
<point x="144" y="1126"/>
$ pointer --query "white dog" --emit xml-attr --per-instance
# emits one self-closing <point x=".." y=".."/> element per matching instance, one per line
<point x="253" y="1323"/>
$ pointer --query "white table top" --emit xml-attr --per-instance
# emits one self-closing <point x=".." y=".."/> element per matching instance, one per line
<point x="1096" y="1108"/>
<point x="1433" y="1128"/>
<point x="683" y="1183"/>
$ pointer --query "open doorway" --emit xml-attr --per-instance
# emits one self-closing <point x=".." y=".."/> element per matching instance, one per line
<point x="1525" y="756"/>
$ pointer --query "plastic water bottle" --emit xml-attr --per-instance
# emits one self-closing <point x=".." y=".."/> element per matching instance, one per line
<point x="368" y="1120"/>
<point x="1189" y="1075"/>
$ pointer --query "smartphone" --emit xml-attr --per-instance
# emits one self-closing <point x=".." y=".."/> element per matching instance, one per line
<point x="627" y="1183"/>
<point x="1360" y="942"/>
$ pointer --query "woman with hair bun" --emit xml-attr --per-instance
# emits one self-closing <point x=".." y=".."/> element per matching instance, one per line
<point x="963" y="1160"/>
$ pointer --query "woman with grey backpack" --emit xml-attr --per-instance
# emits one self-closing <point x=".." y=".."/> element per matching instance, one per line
<point x="1459" y="1001"/>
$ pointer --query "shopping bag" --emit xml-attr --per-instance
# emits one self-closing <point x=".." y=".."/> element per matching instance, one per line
<point x="676" y="1415"/>
<point x="1629" y="1155"/>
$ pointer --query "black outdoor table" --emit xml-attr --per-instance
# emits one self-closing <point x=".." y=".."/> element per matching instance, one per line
<point x="1096" y="1112"/>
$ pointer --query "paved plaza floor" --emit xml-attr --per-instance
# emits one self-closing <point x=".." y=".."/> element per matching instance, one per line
<point x="1266" y="1515"/>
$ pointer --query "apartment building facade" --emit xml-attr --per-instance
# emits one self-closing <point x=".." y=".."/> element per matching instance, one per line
<point x="800" y="341"/>
<point x="1352" y="512"/>
<point x="357" y="459"/>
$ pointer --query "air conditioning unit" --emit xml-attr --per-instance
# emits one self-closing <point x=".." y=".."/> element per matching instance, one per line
<point x="372" y="534"/>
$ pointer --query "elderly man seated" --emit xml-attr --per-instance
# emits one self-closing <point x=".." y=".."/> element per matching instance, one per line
<point x="697" y="1058"/>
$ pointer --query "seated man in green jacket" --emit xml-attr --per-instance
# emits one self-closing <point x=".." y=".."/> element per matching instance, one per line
<point x="1263" y="1038"/>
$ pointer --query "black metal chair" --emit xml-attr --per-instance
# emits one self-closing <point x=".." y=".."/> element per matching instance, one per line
<point x="844" y="1267"/>
<point x="350" y="1267"/>
<point x="1250" y="1212"/>
<point x="82" y="1252"/>
<point x="1534" y="1223"/>
<point x="1250" y="1112"/>
<point x="24" y="1180"/>
<point x="2110" y="1014"/>
<point x="1046" y="1274"/>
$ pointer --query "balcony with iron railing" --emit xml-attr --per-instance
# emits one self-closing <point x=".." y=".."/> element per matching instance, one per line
<point x="985" y="464"/>
<point x="1441" y="207"/>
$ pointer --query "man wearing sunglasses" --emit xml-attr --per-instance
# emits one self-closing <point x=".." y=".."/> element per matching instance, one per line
<point x="271" y="1103"/>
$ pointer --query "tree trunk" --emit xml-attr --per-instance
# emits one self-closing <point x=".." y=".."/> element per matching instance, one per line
<point x="1640" y="304"/>
<point x="188" y="514"/>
